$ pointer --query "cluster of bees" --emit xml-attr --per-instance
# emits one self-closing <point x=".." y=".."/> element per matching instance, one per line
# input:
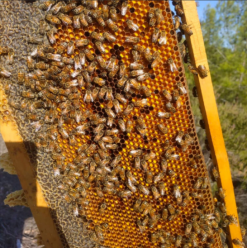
<point x="65" y="79"/>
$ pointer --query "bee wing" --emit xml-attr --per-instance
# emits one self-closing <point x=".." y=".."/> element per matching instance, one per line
<point x="162" y="40"/>
<point x="177" y="193"/>
<point x="174" y="67"/>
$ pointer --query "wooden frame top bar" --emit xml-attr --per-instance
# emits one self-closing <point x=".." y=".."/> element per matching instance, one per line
<point x="210" y="112"/>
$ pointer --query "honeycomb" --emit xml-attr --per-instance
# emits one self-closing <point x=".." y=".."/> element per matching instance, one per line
<point x="6" y="164"/>
<point x="16" y="198"/>
<point x="92" y="176"/>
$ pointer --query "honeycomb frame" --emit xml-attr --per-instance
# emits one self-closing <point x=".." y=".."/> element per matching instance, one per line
<point x="133" y="141"/>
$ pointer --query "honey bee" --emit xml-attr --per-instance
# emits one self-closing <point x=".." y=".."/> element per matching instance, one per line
<point x="179" y="137"/>
<point x="109" y="96"/>
<point x="221" y="193"/>
<point x="152" y="18"/>
<point x="154" y="237"/>
<point x="53" y="19"/>
<point x="179" y="11"/>
<point x="54" y="57"/>
<point x="89" y="55"/>
<point x="76" y="22"/>
<point x="105" y="12"/>
<point x="110" y="37"/>
<point x="136" y="66"/>
<point x="172" y="65"/>
<point x="122" y="125"/>
<point x="4" y="50"/>
<point x="196" y="227"/>
<point x="88" y="96"/>
<point x="78" y="10"/>
<point x="148" y="56"/>
<point x="143" y="189"/>
<point x="170" y="107"/>
<point x="70" y="48"/>
<point x="162" y="39"/>
<point x="164" y="115"/>
<point x="30" y="63"/>
<point x="178" y="240"/>
<point x="128" y="109"/>
<point x="83" y="21"/>
<point x="116" y="161"/>
<point x="69" y="7"/>
<point x="11" y="56"/>
<point x="159" y="16"/>
<point x="91" y="67"/>
<point x="192" y="69"/>
<point x="56" y="8"/>
<point x="121" y="98"/>
<point x="65" y="60"/>
<point x="132" y="25"/>
<point x="154" y="221"/>
<point x="156" y="62"/>
<point x="136" y="73"/>
<point x="188" y="229"/>
<point x="155" y="192"/>
<point x="144" y="208"/>
<point x="122" y="81"/>
<point x="151" y="155"/>
<point x="125" y="193"/>
<point x="186" y="28"/>
<point x="92" y="4"/>
<point x="149" y="177"/>
<point x="28" y="94"/>
<point x="101" y="61"/>
<point x="165" y="214"/>
<point x="177" y="22"/>
<point x="20" y="77"/>
<point x="181" y="88"/>
<point x="112" y="26"/>
<point x="202" y="71"/>
<point x="162" y="128"/>
<point x="204" y="183"/>
<point x="198" y="183"/>
<point x="130" y="185"/>
<point x="238" y="243"/>
<point x="114" y="71"/>
<point x="132" y="39"/>
<point x="136" y="55"/>
<point x="97" y="36"/>
<point x="100" y="47"/>
<point x="215" y="173"/>
<point x="113" y="13"/>
<point x="155" y="35"/>
<point x="99" y="233"/>
<point x="82" y="42"/>
<point x="111" y="64"/>
<point x="176" y="191"/>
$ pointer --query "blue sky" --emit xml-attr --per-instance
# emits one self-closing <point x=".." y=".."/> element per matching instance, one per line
<point x="202" y="6"/>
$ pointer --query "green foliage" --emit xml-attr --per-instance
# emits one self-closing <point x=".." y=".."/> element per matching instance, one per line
<point x="224" y="32"/>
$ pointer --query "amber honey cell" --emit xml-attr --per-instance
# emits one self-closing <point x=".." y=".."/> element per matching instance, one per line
<point x="94" y="200"/>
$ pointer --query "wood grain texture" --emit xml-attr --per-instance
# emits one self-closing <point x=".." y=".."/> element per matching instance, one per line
<point x="27" y="176"/>
<point x="210" y="112"/>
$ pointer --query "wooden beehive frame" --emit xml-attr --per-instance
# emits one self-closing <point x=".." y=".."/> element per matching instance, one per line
<point x="32" y="189"/>
<point x="210" y="112"/>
